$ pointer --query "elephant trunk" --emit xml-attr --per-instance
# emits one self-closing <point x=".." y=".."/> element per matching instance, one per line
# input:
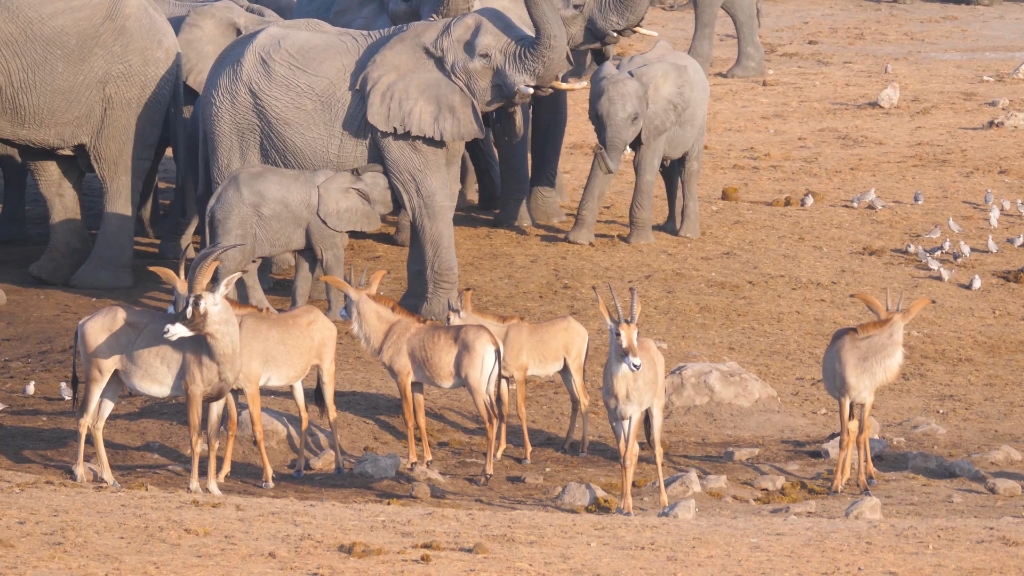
<point x="547" y="56"/>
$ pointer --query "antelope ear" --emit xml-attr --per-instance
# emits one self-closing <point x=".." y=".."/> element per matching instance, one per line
<point x="873" y="305"/>
<point x="224" y="285"/>
<point x="466" y="300"/>
<point x="604" y="310"/>
<point x="916" y="307"/>
<point x="375" y="281"/>
<point x="338" y="283"/>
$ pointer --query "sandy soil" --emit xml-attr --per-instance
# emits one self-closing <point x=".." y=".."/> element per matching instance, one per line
<point x="764" y="287"/>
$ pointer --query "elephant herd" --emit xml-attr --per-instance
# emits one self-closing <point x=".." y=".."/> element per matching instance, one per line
<point x="342" y="93"/>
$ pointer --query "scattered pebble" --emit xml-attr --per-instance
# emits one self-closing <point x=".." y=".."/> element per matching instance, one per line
<point x="805" y="507"/>
<point x="769" y="483"/>
<point x="987" y="79"/>
<point x="740" y="454"/>
<point x="531" y="478"/>
<point x="868" y="508"/>
<point x="890" y="97"/>
<point x="929" y="429"/>
<point x="480" y="549"/>
<point x="999" y="103"/>
<point x="682" y="510"/>
<point x="1018" y="72"/>
<point x="1003" y="487"/>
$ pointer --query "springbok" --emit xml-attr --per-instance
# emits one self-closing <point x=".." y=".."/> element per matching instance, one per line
<point x="634" y="384"/>
<point x="857" y="362"/>
<point x="556" y="346"/>
<point x="194" y="353"/>
<point x="417" y="352"/>
<point x="277" y="350"/>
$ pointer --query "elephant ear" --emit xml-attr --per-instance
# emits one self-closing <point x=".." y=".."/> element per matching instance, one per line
<point x="667" y="96"/>
<point x="343" y="207"/>
<point x="409" y="91"/>
<point x="205" y="33"/>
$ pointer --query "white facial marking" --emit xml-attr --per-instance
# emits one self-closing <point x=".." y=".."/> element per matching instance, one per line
<point x="174" y="331"/>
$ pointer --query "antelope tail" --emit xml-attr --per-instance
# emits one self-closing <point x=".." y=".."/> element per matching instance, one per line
<point x="318" y="394"/>
<point x="648" y="432"/>
<point x="74" y="372"/>
<point x="495" y="377"/>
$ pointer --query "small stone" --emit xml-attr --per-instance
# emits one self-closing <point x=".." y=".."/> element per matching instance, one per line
<point x="420" y="491"/>
<point x="579" y="495"/>
<point x="1003" y="487"/>
<point x="715" y="482"/>
<point x="768" y="82"/>
<point x="987" y="79"/>
<point x="322" y="461"/>
<point x="682" y="510"/>
<point x="822" y="411"/>
<point x="805" y="507"/>
<point x="531" y="478"/>
<point x="480" y="549"/>
<point x="740" y="454"/>
<point x="1011" y="452"/>
<point x="1012" y="119"/>
<point x="425" y="474"/>
<point x="929" y="429"/>
<point x="769" y="483"/>
<point x="890" y="97"/>
<point x="789" y="201"/>
<point x="375" y="466"/>
<point x="1000" y="103"/>
<point x="869" y="508"/>
<point x="687" y="480"/>
<point x="898" y="442"/>
<point x="956" y="499"/>
<point x="962" y="469"/>
<point x="830" y="450"/>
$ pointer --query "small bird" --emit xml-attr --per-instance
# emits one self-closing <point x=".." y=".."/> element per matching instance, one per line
<point x="988" y="196"/>
<point x="877" y="203"/>
<point x="1020" y="207"/>
<point x="910" y="249"/>
<point x="934" y="233"/>
<point x="1006" y="204"/>
<point x="65" y="391"/>
<point x="992" y="248"/>
<point x="946" y="245"/>
<point x="888" y="68"/>
<point x="945" y="274"/>
<point x="29" y="388"/>
<point x="975" y="283"/>
<point x="965" y="249"/>
<point x="993" y="220"/>
<point x="807" y="200"/>
<point x="1017" y="241"/>
<point x="918" y="197"/>
<point x="922" y="254"/>
<point x="935" y="250"/>
<point x="933" y="264"/>
<point x="957" y="257"/>
<point x="954" y="226"/>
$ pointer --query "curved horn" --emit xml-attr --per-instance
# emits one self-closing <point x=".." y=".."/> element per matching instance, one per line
<point x="181" y="265"/>
<point x="618" y="307"/>
<point x="362" y="279"/>
<point x="888" y="301"/>
<point x="644" y="31"/>
<point x="632" y="306"/>
<point x="899" y="303"/>
<point x="568" y="86"/>
<point x="202" y="268"/>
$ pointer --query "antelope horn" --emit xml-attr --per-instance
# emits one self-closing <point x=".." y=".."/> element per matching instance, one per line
<point x="362" y="279"/>
<point x="618" y="307"/>
<point x="202" y="268"/>
<point x="181" y="265"/>
<point x="632" y="306"/>
<point x="568" y="86"/>
<point x="888" y="302"/>
<point x="351" y="275"/>
<point x="899" y="303"/>
<point x="644" y="31"/>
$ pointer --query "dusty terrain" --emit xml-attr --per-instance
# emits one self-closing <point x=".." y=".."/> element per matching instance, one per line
<point x="764" y="287"/>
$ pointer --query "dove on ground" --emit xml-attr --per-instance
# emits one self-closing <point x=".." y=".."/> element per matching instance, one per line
<point x="957" y="257"/>
<point x="918" y="197"/>
<point x="934" y="232"/>
<point x="910" y="249"/>
<point x="975" y="283"/>
<point x="877" y="203"/>
<point x="992" y="248"/>
<point x="807" y="200"/>
<point x="994" y="209"/>
<point x="1020" y="207"/>
<point x="1006" y="204"/>
<point x="946" y="245"/>
<point x="993" y="220"/>
<point x="65" y="391"/>
<point x="888" y="68"/>
<point x="922" y="254"/>
<point x="945" y="274"/>
<point x="935" y="250"/>
<point x="965" y="249"/>
<point x="954" y="226"/>
<point x="932" y="263"/>
<point x="1017" y="241"/>
<point x="29" y="388"/>
<point x="988" y="196"/>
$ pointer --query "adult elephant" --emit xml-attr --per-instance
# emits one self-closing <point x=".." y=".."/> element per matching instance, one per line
<point x="67" y="109"/>
<point x="304" y="95"/>
<point x="746" y="17"/>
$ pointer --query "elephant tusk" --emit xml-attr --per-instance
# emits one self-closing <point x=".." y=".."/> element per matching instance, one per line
<point x="644" y="31"/>
<point x="612" y="34"/>
<point x="568" y="86"/>
<point x="525" y="90"/>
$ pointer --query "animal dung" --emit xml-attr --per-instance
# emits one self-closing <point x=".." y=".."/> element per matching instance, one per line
<point x="784" y="201"/>
<point x="769" y="82"/>
<point x="890" y="97"/>
<point x="731" y="194"/>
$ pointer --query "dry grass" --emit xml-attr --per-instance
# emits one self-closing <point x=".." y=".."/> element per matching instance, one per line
<point x="432" y="545"/>
<point x="791" y="493"/>
<point x="603" y="504"/>
<point x="361" y="550"/>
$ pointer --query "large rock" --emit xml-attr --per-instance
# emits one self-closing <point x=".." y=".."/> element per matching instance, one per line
<point x="830" y="450"/>
<point x="1003" y="487"/>
<point x="715" y="482"/>
<point x="681" y="485"/>
<point x="869" y="508"/>
<point x="999" y="457"/>
<point x="682" y="510"/>
<point x="281" y="430"/>
<point x="1008" y="120"/>
<point x="375" y="466"/>
<point x="740" y="454"/>
<point x="702" y="382"/>
<point x="576" y="495"/>
<point x="425" y="474"/>
<point x="890" y="97"/>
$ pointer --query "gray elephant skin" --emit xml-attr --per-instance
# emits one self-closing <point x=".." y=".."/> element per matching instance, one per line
<point x="272" y="211"/>
<point x="656" y="103"/>
<point x="307" y="96"/>
<point x="68" y="110"/>
<point x="13" y="218"/>
<point x="746" y="17"/>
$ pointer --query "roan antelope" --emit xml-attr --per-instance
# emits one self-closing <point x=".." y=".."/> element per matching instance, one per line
<point x="277" y="350"/>
<point x="556" y="346"/>
<point x="417" y="352"/>
<point x="194" y="353"/>
<point x="634" y="384"/>
<point x="857" y="362"/>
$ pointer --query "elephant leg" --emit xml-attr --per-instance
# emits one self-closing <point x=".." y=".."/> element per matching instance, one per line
<point x="468" y="188"/>
<point x="147" y="215"/>
<point x="705" y="13"/>
<point x="691" y="164"/>
<point x="561" y="188"/>
<point x="302" y="281"/>
<point x="421" y="171"/>
<point x="513" y="166"/>
<point x="746" y="18"/>
<point x="333" y="254"/>
<point x="403" y="230"/>
<point x="485" y="165"/>
<point x="13" y="219"/>
<point x="593" y="194"/>
<point x="670" y="175"/>
<point x="547" y="131"/>
<point x="60" y="182"/>
<point x="646" y="164"/>
<point x="254" y="294"/>
<point x="178" y="229"/>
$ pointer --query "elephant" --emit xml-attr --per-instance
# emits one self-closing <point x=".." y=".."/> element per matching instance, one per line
<point x="378" y="14"/>
<point x="304" y="95"/>
<point x="272" y="211"/>
<point x="746" y="17"/>
<point x="13" y="225"/>
<point x="657" y="103"/>
<point x="68" y="110"/>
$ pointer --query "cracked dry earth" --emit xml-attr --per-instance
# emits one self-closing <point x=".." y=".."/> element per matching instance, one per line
<point x="764" y="287"/>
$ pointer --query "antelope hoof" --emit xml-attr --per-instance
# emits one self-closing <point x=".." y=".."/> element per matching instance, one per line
<point x="194" y="488"/>
<point x="526" y="461"/>
<point x="484" y="480"/>
<point x="429" y="463"/>
<point x="214" y="491"/>
<point x="339" y="470"/>
<point x="872" y="482"/>
<point x="412" y="464"/>
<point x="267" y="485"/>
<point x="583" y="453"/>
<point x="866" y="492"/>
<point x="113" y="484"/>
<point x="625" y="513"/>
<point x="298" y="473"/>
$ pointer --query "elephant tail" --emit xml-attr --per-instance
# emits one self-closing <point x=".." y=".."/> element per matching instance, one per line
<point x="758" y="13"/>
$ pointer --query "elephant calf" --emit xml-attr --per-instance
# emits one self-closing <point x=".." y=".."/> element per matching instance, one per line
<point x="273" y="211"/>
<point x="656" y="103"/>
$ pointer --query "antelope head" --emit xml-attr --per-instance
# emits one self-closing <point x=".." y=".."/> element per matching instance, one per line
<point x="459" y="308"/>
<point x="202" y="310"/>
<point x="888" y="312"/>
<point x="353" y="293"/>
<point x="178" y="282"/>
<point x="623" y="332"/>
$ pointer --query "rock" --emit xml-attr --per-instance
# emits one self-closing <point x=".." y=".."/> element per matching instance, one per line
<point x="3" y="298"/>
<point x="868" y="508"/>
<point x="323" y="461"/>
<point x="927" y="464"/>
<point x="898" y="442"/>
<point x="999" y="457"/>
<point x="890" y="97"/>
<point x="929" y="429"/>
<point x="830" y="450"/>
<point x="531" y="478"/>
<point x="699" y="383"/>
<point x="806" y="507"/>
<point x="1008" y="120"/>
<point x="1011" y="452"/>
<point x="962" y="469"/>
<point x="740" y="454"/>
<point x="769" y="483"/>
<point x="576" y="495"/>
<point x="552" y="492"/>
<point x="1000" y="103"/>
<point x="281" y="430"/>
<point x="424" y="474"/>
<point x="1003" y="487"/>
<point x="682" y="510"/>
<point x="375" y="466"/>
<point x="715" y="482"/>
<point x="420" y="491"/>
<point x="687" y="480"/>
<point x="1018" y="72"/>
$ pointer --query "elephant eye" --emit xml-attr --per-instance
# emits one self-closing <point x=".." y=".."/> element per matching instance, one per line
<point x="578" y="6"/>
<point x="484" y="54"/>
<point x="636" y="117"/>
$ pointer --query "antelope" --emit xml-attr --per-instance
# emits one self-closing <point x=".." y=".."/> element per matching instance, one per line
<point x="857" y="362"/>
<point x="634" y="384"/>
<point x="194" y="353"/>
<point x="277" y="350"/>
<point x="417" y="352"/>
<point x="556" y="346"/>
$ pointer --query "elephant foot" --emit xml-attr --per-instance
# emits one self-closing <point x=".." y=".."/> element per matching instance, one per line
<point x="746" y="69"/>
<point x="689" y="230"/>
<point x="13" y="232"/>
<point x="669" y="227"/>
<point x="639" y="237"/>
<point x="59" y="262"/>
<point x="102" y="276"/>
<point x="488" y="202"/>
<point x="544" y="208"/>
<point x="434" y="310"/>
<point x="334" y="314"/>
<point x="318" y="292"/>
<point x="581" y="236"/>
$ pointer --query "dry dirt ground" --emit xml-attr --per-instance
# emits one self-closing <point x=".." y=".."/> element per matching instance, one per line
<point x="764" y="287"/>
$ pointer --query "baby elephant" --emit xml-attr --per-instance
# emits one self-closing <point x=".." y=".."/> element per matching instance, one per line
<point x="656" y="103"/>
<point x="272" y="211"/>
